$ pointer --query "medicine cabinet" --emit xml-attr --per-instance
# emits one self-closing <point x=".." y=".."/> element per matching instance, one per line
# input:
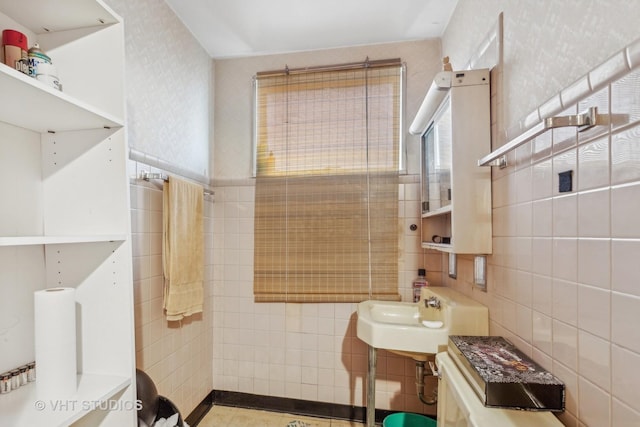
<point x="454" y="124"/>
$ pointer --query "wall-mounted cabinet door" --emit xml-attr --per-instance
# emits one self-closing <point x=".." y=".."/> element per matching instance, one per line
<point x="456" y="192"/>
<point x="436" y="161"/>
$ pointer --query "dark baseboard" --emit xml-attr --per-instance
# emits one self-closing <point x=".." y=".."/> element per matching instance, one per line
<point x="282" y="404"/>
<point x="200" y="411"/>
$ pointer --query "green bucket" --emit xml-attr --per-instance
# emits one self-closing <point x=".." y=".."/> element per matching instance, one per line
<point x="407" y="419"/>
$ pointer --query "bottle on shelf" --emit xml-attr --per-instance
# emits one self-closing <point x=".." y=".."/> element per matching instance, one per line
<point x="419" y="283"/>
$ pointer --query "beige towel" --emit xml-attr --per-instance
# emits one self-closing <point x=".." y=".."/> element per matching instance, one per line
<point x="182" y="248"/>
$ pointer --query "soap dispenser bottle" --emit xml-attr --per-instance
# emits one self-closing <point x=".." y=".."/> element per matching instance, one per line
<point x="418" y="283"/>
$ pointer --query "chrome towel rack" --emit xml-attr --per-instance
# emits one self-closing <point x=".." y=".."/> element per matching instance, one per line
<point x="147" y="176"/>
<point x="582" y="121"/>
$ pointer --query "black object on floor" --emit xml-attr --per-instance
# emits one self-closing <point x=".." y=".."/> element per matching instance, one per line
<point x="153" y="405"/>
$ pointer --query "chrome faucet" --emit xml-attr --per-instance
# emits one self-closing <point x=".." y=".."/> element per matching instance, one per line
<point x="432" y="302"/>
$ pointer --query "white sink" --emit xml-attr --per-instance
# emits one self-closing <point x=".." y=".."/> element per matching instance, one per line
<point x="415" y="330"/>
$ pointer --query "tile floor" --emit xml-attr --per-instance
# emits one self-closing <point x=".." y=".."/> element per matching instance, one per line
<point x="226" y="416"/>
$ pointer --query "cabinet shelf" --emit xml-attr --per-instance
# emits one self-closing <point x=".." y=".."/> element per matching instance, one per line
<point x="21" y="407"/>
<point x="33" y="105"/>
<point x="442" y="211"/>
<point x="41" y="16"/>
<point x="439" y="246"/>
<point x="59" y="240"/>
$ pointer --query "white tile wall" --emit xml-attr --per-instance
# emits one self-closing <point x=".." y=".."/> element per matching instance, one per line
<point x="168" y="114"/>
<point x="568" y="294"/>
<point x="176" y="355"/>
<point x="302" y="351"/>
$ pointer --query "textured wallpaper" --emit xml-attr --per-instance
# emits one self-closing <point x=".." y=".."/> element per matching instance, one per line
<point x="168" y="77"/>
<point x="548" y="44"/>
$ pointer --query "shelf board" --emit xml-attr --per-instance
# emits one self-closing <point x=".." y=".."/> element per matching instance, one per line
<point x="35" y="106"/>
<point x="441" y="211"/>
<point x="18" y="408"/>
<point x="439" y="246"/>
<point x="45" y="16"/>
<point x="60" y="240"/>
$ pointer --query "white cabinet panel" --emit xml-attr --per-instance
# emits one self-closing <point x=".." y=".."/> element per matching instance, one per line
<point x="456" y="192"/>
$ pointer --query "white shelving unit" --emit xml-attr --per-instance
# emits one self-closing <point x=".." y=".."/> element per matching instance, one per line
<point x="64" y="209"/>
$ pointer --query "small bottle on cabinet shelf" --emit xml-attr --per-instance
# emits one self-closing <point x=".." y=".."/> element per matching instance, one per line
<point x="419" y="283"/>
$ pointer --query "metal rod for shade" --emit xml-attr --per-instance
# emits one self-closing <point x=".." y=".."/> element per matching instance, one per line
<point x="337" y="67"/>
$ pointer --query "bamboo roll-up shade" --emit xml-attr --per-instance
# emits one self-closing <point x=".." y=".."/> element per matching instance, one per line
<point x="326" y="207"/>
<point x="327" y="122"/>
<point x="312" y="239"/>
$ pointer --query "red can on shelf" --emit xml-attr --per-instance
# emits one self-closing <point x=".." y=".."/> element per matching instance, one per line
<point x="14" y="46"/>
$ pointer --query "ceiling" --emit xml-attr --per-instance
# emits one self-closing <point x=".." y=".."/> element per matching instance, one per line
<point x="236" y="28"/>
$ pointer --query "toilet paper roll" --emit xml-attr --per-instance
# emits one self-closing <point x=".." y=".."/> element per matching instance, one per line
<point x="55" y="342"/>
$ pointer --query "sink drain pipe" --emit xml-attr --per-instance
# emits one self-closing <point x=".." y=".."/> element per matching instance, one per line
<point x="420" y="375"/>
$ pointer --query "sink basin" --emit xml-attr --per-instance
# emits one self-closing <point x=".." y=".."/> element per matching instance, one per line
<point x="415" y="330"/>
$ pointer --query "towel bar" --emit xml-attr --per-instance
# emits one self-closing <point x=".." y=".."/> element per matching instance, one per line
<point x="147" y="176"/>
<point x="582" y="121"/>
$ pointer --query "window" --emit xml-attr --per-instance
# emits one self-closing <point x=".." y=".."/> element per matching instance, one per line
<point x="328" y="154"/>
